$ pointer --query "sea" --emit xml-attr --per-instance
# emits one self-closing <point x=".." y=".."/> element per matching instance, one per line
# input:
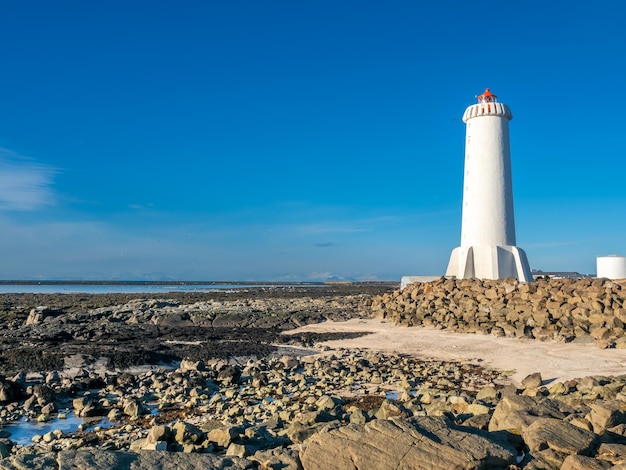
<point x="135" y="287"/>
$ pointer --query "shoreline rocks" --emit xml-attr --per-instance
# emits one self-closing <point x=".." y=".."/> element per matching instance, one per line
<point x="160" y="331"/>
<point x="340" y="409"/>
<point x="199" y="412"/>
<point x="351" y="408"/>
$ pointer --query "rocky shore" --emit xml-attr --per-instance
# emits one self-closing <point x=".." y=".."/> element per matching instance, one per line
<point x="212" y="383"/>
<point x="42" y="332"/>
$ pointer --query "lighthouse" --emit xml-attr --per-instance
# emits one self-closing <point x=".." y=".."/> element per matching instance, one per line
<point x="488" y="248"/>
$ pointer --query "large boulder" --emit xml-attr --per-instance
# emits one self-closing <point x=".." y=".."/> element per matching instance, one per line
<point x="558" y="435"/>
<point x="606" y="414"/>
<point x="516" y="412"/>
<point x="423" y="442"/>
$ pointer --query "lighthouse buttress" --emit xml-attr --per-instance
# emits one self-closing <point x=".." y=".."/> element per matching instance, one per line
<point x="488" y="248"/>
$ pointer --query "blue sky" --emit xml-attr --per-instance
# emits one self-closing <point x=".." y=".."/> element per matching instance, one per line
<point x="284" y="140"/>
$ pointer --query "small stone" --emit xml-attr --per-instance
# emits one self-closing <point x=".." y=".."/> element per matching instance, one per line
<point x="289" y="362"/>
<point x="357" y="416"/>
<point x="159" y="445"/>
<point x="114" y="415"/>
<point x="388" y="409"/>
<point x="48" y="409"/>
<point x="237" y="450"/>
<point x="86" y="406"/>
<point x="19" y="378"/>
<point x="137" y="445"/>
<point x="325" y="402"/>
<point x="477" y="409"/>
<point x="259" y="380"/>
<point x="488" y="393"/>
<point x="9" y="391"/>
<point x="189" y="365"/>
<point x="158" y="433"/>
<point x="298" y="432"/>
<point x="53" y="377"/>
<point x="532" y="380"/>
<point x="426" y="399"/>
<point x="134" y="409"/>
<point x="187" y="433"/>
<point x="229" y="375"/>
<point x="558" y="389"/>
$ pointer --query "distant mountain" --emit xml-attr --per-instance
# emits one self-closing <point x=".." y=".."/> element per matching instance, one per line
<point x="340" y="279"/>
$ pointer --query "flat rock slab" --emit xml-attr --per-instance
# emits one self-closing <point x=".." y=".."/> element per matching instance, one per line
<point x="516" y="412"/>
<point x="581" y="462"/>
<point x="423" y="442"/>
<point x="91" y="459"/>
<point x="558" y="435"/>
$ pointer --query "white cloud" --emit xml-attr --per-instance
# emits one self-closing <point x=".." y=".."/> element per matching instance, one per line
<point x="24" y="184"/>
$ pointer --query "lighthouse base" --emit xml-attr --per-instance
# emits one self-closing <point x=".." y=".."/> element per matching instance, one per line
<point x="489" y="262"/>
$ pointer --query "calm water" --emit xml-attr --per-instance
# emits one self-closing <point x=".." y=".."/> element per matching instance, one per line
<point x="22" y="432"/>
<point x="134" y="288"/>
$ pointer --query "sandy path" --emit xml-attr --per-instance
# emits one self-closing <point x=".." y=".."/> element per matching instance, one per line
<point x="555" y="361"/>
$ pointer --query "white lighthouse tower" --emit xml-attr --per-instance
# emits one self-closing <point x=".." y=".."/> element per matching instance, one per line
<point x="488" y="248"/>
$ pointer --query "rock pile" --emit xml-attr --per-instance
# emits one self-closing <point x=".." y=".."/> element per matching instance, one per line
<point x="548" y="309"/>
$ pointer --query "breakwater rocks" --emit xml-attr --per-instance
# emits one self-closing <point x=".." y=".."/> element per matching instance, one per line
<point x="349" y="409"/>
<point x="548" y="309"/>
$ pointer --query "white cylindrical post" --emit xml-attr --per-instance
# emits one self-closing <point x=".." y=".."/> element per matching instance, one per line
<point x="611" y="267"/>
